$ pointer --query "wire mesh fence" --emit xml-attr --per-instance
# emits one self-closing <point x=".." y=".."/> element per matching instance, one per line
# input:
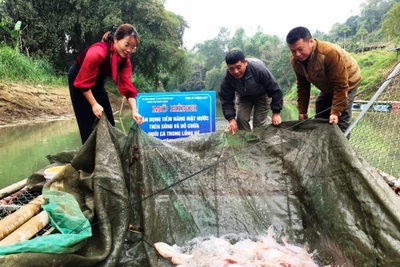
<point x="15" y="201"/>
<point x="375" y="134"/>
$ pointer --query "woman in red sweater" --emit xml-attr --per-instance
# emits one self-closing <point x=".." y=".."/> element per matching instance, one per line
<point x="86" y="77"/>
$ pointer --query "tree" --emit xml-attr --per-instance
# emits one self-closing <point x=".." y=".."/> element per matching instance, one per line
<point x="282" y="69"/>
<point x="214" y="77"/>
<point x="14" y="34"/>
<point x="362" y="32"/>
<point x="353" y="23"/>
<point x="253" y="47"/>
<point x="373" y="13"/>
<point x="213" y="51"/>
<point x="238" y="40"/>
<point x="270" y="49"/>
<point x="196" y="80"/>
<point x="335" y="32"/>
<point x="391" y="24"/>
<point x="59" y="30"/>
<point x="321" y="35"/>
<point x="343" y="29"/>
<point x="161" y="54"/>
<point x="46" y="27"/>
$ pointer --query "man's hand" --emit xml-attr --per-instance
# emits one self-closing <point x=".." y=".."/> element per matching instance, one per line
<point x="333" y="119"/>
<point x="232" y="127"/>
<point x="303" y="117"/>
<point x="276" y="119"/>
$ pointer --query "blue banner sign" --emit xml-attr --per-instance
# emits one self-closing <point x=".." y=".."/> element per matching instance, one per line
<point x="178" y="114"/>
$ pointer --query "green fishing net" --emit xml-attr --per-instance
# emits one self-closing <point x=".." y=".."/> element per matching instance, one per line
<point x="304" y="179"/>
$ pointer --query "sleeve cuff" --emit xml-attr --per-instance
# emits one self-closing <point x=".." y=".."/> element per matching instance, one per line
<point x="336" y="112"/>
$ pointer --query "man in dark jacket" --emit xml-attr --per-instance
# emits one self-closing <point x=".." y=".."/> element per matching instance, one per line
<point x="253" y="85"/>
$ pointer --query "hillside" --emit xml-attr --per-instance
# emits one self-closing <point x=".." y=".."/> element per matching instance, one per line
<point x="21" y="104"/>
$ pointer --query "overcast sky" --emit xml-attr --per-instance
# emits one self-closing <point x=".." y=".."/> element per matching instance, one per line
<point x="205" y="17"/>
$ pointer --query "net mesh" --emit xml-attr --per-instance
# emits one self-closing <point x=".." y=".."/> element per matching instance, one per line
<point x="219" y="184"/>
<point x="15" y="201"/>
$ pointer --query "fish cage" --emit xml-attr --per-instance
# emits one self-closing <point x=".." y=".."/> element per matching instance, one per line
<point x="124" y="194"/>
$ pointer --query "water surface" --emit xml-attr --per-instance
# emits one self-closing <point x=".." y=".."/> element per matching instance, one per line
<point x="23" y="149"/>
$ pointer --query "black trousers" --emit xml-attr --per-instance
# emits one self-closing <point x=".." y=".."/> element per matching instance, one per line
<point x="82" y="109"/>
<point x="323" y="106"/>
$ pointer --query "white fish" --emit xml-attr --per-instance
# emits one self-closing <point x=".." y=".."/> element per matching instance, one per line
<point x="167" y="251"/>
<point x="219" y="252"/>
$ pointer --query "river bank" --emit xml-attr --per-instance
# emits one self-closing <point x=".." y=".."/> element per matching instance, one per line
<point x="26" y="104"/>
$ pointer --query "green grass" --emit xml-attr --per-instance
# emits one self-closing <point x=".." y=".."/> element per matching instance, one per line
<point x="375" y="67"/>
<point x="16" y="67"/>
<point x="375" y="138"/>
<point x="139" y="82"/>
<point x="292" y="94"/>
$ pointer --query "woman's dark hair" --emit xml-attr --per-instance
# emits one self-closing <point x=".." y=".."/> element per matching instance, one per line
<point x="120" y="33"/>
<point x="298" y="33"/>
<point x="234" y="56"/>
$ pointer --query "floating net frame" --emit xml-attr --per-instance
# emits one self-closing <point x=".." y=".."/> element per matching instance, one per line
<point x="17" y="200"/>
<point x="375" y="135"/>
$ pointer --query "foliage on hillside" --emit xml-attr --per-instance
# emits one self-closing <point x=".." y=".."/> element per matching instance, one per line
<point x="59" y="30"/>
<point x="358" y="34"/>
<point x="391" y="24"/>
<point x="365" y="30"/>
<point x="55" y="32"/>
<point x="15" y="67"/>
<point x="375" y="67"/>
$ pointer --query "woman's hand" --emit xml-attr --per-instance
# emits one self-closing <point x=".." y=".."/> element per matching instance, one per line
<point x="137" y="117"/>
<point x="97" y="110"/>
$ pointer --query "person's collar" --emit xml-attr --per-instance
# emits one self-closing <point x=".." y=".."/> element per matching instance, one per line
<point x="246" y="72"/>
<point x="305" y="62"/>
<point x="314" y="47"/>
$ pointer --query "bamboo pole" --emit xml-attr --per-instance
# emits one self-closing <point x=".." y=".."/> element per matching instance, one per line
<point x="122" y="105"/>
<point x="16" y="219"/>
<point x="27" y="230"/>
<point x="120" y="110"/>
<point x="12" y="188"/>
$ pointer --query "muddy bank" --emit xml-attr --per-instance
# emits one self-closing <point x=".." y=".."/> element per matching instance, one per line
<point x="23" y="104"/>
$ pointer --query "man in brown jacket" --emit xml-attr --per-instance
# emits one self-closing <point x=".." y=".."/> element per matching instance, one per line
<point x="331" y="69"/>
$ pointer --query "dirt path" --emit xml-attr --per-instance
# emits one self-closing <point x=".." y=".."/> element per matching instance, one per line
<point x="21" y="104"/>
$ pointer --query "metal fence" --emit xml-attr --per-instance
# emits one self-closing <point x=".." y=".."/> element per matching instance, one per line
<point x="374" y="132"/>
<point x="18" y="199"/>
